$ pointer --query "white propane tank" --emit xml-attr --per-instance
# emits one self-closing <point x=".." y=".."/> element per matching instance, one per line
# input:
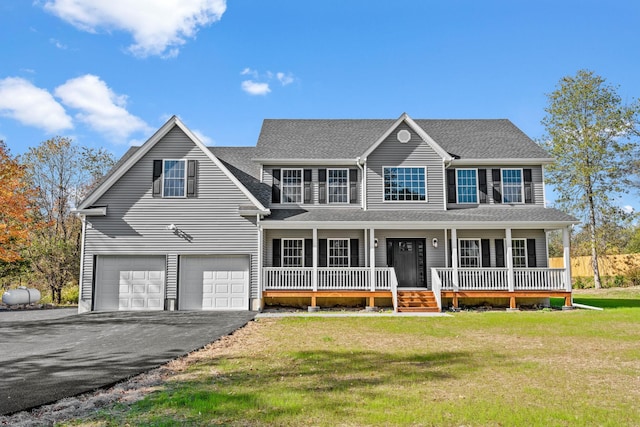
<point x="22" y="295"/>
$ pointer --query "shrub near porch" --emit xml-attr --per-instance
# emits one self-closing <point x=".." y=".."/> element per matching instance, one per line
<point x="527" y="368"/>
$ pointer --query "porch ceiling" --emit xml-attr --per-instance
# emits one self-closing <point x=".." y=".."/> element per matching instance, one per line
<point x="470" y="218"/>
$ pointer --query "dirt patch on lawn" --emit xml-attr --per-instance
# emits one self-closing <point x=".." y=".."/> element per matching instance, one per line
<point x="136" y="388"/>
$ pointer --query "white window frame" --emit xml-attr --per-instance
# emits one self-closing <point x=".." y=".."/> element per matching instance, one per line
<point x="282" y="195"/>
<point x="329" y="186"/>
<point x="502" y="170"/>
<point x="426" y="195"/>
<point x="329" y="241"/>
<point x="513" y="254"/>
<point x="184" y="178"/>
<point x="283" y="258"/>
<point x="458" y="188"/>
<point x="479" y="242"/>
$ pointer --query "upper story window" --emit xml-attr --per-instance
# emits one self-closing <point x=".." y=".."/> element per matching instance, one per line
<point x="338" y="252"/>
<point x="291" y="185"/>
<point x="292" y="252"/>
<point x="175" y="177"/>
<point x="470" y="255"/>
<point x="512" y="188"/>
<point x="404" y="184"/>
<point x="467" y="185"/>
<point x="338" y="185"/>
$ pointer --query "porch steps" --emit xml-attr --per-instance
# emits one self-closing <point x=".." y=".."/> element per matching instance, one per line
<point x="417" y="301"/>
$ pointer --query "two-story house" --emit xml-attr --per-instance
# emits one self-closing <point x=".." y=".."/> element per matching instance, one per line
<point x="414" y="214"/>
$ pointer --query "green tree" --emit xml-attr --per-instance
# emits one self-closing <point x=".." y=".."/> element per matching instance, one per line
<point x="61" y="173"/>
<point x="590" y="133"/>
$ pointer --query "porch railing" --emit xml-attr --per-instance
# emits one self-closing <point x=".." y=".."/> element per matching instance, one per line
<point x="329" y="278"/>
<point x="436" y="287"/>
<point x="497" y="279"/>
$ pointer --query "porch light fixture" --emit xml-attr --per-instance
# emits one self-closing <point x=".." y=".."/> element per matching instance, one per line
<point x="172" y="227"/>
<point x="375" y="242"/>
<point x="434" y="242"/>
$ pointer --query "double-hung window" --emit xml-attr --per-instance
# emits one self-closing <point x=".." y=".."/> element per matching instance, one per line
<point x="338" y="253"/>
<point x="175" y="177"/>
<point x="404" y="184"/>
<point x="512" y="188"/>
<point x="292" y="252"/>
<point x="338" y="185"/>
<point x="519" y="252"/>
<point x="291" y="185"/>
<point x="470" y="255"/>
<point x="467" y="183"/>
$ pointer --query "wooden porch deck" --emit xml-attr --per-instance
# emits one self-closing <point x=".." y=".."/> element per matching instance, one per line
<point x="314" y="295"/>
<point x="511" y="295"/>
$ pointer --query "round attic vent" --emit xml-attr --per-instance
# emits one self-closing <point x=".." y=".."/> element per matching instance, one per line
<point x="404" y="136"/>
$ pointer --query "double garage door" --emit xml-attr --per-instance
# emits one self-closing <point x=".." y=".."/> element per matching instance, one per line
<point x="139" y="283"/>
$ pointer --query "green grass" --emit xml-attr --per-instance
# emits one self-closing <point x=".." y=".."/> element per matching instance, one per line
<point x="546" y="368"/>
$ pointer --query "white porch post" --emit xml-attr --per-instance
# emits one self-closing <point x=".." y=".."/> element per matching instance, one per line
<point x="372" y="258"/>
<point x="510" y="272"/>
<point x="566" y="243"/>
<point x="454" y="258"/>
<point x="314" y="277"/>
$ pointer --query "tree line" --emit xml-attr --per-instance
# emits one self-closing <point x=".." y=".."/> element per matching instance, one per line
<point x="589" y="130"/>
<point x="40" y="236"/>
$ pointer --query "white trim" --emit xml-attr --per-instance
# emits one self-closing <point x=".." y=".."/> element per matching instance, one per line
<point x="521" y="202"/>
<point x="97" y="211"/>
<point x="426" y="192"/>
<point x="80" y="282"/>
<point x="501" y="162"/>
<point x="444" y="186"/>
<point x="282" y="202"/>
<point x="150" y="143"/>
<point x="348" y="187"/>
<point x="417" y="129"/>
<point x="333" y="239"/>
<point x="458" y="202"/>
<point x="184" y="188"/>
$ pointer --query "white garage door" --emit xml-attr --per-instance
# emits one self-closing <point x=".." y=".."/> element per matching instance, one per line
<point x="130" y="283"/>
<point x="214" y="283"/>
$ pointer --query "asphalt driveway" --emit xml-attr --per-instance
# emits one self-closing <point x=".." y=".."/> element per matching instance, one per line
<point x="46" y="355"/>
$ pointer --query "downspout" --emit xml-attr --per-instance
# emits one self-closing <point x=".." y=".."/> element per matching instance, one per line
<point x="260" y="238"/>
<point x="446" y="165"/>
<point x="363" y="185"/>
<point x="83" y="219"/>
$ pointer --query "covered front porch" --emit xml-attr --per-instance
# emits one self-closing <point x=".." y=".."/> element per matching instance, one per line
<point x="391" y="263"/>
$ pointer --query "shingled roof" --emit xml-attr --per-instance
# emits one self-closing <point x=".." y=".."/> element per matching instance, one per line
<point x="348" y="139"/>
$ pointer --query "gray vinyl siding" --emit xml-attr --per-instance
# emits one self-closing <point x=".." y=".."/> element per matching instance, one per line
<point x="267" y="177"/>
<point x="308" y="234"/>
<point x="136" y="221"/>
<point x="415" y="153"/>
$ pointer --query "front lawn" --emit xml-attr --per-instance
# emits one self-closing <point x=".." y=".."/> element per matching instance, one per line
<point x="475" y="369"/>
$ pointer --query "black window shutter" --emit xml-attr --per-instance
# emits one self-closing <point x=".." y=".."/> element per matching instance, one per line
<point x="192" y="172"/>
<point x="451" y="186"/>
<point x="308" y="252"/>
<point x="355" y="256"/>
<point x="307" y="186"/>
<point x="486" y="253"/>
<point x="531" y="253"/>
<point x="322" y="185"/>
<point x="322" y="252"/>
<point x="275" y="186"/>
<point x="528" y="186"/>
<point x="277" y="252"/>
<point x="496" y="176"/>
<point x="450" y="254"/>
<point x="499" y="252"/>
<point x="482" y="185"/>
<point x="157" y="178"/>
<point x="353" y="185"/>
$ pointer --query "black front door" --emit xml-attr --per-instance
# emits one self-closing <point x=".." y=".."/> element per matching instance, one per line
<point x="407" y="256"/>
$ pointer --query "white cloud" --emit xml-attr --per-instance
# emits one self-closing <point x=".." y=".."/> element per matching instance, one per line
<point x="628" y="209"/>
<point x="203" y="138"/>
<point x="58" y="44"/>
<point x="285" y="79"/>
<point x="255" y="88"/>
<point x="100" y="107"/>
<point x="32" y="106"/>
<point x="158" y="27"/>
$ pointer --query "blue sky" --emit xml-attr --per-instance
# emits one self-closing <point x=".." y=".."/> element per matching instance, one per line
<point x="108" y="75"/>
